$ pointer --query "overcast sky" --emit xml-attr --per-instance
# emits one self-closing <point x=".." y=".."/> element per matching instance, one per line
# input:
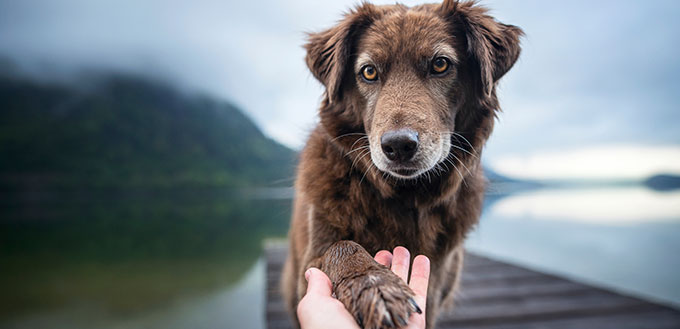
<point x="592" y="73"/>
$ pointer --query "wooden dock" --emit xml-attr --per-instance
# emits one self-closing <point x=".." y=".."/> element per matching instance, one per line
<point x="497" y="295"/>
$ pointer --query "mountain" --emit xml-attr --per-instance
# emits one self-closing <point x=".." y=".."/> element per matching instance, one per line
<point x="663" y="182"/>
<point x="118" y="130"/>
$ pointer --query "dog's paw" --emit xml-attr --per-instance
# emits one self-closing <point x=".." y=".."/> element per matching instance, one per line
<point x="377" y="299"/>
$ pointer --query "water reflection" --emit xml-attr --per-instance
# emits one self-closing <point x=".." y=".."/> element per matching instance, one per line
<point x="107" y="259"/>
<point x="610" y="205"/>
<point x="191" y="259"/>
<point x="625" y="238"/>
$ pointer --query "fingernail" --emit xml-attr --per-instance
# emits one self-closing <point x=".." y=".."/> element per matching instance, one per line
<point x="308" y="273"/>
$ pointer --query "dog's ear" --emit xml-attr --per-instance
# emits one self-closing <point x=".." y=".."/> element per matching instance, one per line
<point x="329" y="52"/>
<point x="493" y="47"/>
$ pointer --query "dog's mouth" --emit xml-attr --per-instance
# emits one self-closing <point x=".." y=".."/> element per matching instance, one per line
<point x="407" y="173"/>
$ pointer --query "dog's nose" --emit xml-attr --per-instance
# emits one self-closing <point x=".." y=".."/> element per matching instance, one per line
<point x="399" y="145"/>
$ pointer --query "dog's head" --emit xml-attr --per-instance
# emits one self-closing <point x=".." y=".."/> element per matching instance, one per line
<point x="416" y="81"/>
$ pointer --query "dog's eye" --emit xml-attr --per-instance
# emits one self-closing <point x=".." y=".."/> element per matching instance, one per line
<point x="369" y="73"/>
<point x="440" y="65"/>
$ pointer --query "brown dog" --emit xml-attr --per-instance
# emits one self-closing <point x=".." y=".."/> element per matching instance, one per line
<point x="410" y="101"/>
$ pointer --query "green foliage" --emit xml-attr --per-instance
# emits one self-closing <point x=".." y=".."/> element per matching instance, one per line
<point x="123" y="131"/>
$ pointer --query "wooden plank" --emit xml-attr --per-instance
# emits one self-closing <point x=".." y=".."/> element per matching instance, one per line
<point x="504" y="291"/>
<point x="651" y="320"/>
<point x="495" y="295"/>
<point x="542" y="307"/>
<point x="506" y="273"/>
<point x="277" y="316"/>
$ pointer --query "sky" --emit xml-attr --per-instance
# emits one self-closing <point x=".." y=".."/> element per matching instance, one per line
<point x="593" y="77"/>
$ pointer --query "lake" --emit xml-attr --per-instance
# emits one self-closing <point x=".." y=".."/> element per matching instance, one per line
<point x="192" y="259"/>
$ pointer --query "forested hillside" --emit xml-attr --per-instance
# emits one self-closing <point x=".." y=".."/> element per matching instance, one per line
<point x="130" y="131"/>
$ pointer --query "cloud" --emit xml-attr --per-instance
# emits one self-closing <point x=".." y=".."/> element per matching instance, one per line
<point x="609" y="162"/>
<point x="590" y="73"/>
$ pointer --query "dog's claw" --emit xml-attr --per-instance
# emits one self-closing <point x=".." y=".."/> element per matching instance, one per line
<point x="415" y="306"/>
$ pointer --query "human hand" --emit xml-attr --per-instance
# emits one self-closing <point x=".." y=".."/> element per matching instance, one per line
<point x="318" y="309"/>
<point x="420" y="275"/>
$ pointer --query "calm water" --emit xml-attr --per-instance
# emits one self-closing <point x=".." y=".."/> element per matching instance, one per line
<point x="627" y="239"/>
<point x="138" y="259"/>
<point x="191" y="259"/>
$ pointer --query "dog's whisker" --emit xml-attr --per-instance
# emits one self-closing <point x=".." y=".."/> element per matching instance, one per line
<point x="366" y="172"/>
<point x="459" y="172"/>
<point x="458" y="134"/>
<point x="440" y="169"/>
<point x="458" y="137"/>
<point x="444" y="169"/>
<point x="346" y="135"/>
<point x="446" y="166"/>
<point x="358" y="140"/>
<point x="450" y="161"/>
<point x="359" y="158"/>
<point x="455" y="134"/>
<point x="464" y="150"/>
<point x="462" y="163"/>
<point x="456" y="168"/>
<point x="358" y="148"/>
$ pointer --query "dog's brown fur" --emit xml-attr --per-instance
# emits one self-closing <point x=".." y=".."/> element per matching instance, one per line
<point x="341" y="195"/>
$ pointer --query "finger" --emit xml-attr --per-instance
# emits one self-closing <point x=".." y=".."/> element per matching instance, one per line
<point x="384" y="257"/>
<point x="318" y="282"/>
<point x="400" y="261"/>
<point x="420" y="277"/>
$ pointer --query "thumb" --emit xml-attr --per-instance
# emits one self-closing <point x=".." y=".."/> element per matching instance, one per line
<point x="318" y="282"/>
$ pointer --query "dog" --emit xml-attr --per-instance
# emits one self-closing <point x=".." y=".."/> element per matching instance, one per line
<point x="409" y="102"/>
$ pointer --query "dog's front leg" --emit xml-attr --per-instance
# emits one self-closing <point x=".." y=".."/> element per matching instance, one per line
<point x="374" y="295"/>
